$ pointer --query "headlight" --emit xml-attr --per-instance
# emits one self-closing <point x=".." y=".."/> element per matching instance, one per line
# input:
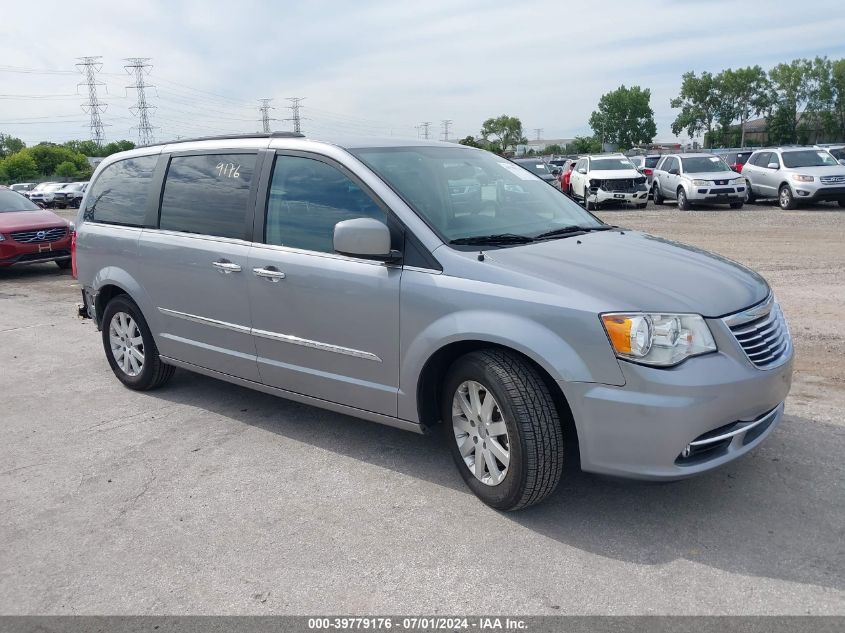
<point x="738" y="181"/>
<point x="658" y="339"/>
<point x="802" y="178"/>
<point x="700" y="183"/>
<point x="71" y="227"/>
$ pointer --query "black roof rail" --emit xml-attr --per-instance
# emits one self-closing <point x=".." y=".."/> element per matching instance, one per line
<point x="228" y="137"/>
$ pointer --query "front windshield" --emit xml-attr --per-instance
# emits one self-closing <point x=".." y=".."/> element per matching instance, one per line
<point x="12" y="201"/>
<point x="808" y="158"/>
<point x="465" y="193"/>
<point x="704" y="164"/>
<point x="610" y="163"/>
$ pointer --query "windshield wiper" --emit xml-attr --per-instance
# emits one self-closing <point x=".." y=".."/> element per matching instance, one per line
<point x="571" y="230"/>
<point x="500" y="238"/>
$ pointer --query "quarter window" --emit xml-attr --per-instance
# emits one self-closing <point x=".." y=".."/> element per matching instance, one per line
<point x="119" y="195"/>
<point x="307" y="198"/>
<point x="207" y="194"/>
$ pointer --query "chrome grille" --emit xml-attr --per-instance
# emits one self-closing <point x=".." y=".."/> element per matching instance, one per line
<point x="40" y="235"/>
<point x="762" y="333"/>
<point x="832" y="180"/>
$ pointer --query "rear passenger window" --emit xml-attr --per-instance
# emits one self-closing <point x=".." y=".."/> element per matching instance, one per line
<point x="307" y="198"/>
<point x="119" y="195"/>
<point x="207" y="194"/>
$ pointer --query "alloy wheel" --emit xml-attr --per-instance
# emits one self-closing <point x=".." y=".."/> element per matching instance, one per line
<point x="480" y="432"/>
<point x="127" y="344"/>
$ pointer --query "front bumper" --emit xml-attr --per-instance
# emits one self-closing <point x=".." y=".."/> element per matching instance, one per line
<point x="15" y="253"/>
<point x="601" y="196"/>
<point x="818" y="193"/>
<point x="716" y="194"/>
<point x="641" y="430"/>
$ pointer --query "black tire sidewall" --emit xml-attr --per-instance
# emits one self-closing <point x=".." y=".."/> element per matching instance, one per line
<point x="683" y="201"/>
<point x="791" y="204"/>
<point x="145" y="378"/>
<point x="509" y="491"/>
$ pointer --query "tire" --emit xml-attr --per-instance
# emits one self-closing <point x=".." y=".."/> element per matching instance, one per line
<point x="736" y="205"/>
<point x="64" y="264"/>
<point x="842" y="203"/>
<point x="785" y="198"/>
<point x="151" y="372"/>
<point x="683" y="201"/>
<point x="532" y="431"/>
<point x="749" y="193"/>
<point x="656" y="195"/>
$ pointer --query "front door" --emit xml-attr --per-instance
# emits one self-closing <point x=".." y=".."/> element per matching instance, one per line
<point x="195" y="265"/>
<point x="324" y="325"/>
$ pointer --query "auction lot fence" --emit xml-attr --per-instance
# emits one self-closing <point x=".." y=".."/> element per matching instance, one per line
<point x="528" y="624"/>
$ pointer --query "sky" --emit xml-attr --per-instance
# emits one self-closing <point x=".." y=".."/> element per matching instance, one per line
<point x="382" y="68"/>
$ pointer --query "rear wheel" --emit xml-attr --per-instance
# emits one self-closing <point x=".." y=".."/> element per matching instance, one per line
<point x="503" y="429"/>
<point x="130" y="348"/>
<point x="656" y="195"/>
<point x="683" y="202"/>
<point x="785" y="198"/>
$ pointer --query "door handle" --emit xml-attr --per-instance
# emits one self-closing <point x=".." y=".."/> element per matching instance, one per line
<point x="225" y="266"/>
<point x="269" y="273"/>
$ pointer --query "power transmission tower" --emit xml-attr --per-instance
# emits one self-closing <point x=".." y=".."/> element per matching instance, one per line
<point x="89" y="67"/>
<point x="539" y="132"/>
<point x="446" y="124"/>
<point x="295" y="105"/>
<point x="264" y="110"/>
<point x="139" y="67"/>
<point x="425" y="127"/>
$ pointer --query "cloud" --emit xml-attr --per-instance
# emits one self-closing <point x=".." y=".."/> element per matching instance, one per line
<point x="378" y="68"/>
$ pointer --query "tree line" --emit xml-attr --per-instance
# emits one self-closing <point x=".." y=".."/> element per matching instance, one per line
<point x="19" y="163"/>
<point x="801" y="99"/>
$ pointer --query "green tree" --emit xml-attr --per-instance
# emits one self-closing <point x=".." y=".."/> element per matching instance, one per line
<point x="19" y="167"/>
<point x="86" y="148"/>
<point x="624" y="117"/>
<point x="746" y="93"/>
<point x="791" y="87"/>
<point x="554" y="148"/>
<point x="585" y="145"/>
<point x="469" y="141"/>
<point x="117" y="146"/>
<point x="48" y="158"/>
<point x="699" y="101"/>
<point x="506" y="132"/>
<point x="10" y="145"/>
<point x="66" y="169"/>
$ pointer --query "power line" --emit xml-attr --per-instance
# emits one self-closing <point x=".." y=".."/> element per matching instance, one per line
<point x="138" y="66"/>
<point x="89" y="67"/>
<point x="264" y="110"/>
<point x="295" y="105"/>
<point x="446" y="123"/>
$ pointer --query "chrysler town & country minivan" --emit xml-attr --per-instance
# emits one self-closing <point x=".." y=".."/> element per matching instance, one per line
<point x="350" y="276"/>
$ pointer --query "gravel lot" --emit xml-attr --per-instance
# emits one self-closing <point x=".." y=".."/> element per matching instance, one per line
<point x="204" y="497"/>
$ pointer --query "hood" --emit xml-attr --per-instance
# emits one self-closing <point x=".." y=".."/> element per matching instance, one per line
<point x="823" y="170"/>
<point x="628" y="270"/>
<point x="23" y="220"/>
<point x="712" y="175"/>
<point x="613" y="174"/>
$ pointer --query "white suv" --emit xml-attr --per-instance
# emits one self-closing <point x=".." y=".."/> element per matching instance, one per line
<point x="608" y="178"/>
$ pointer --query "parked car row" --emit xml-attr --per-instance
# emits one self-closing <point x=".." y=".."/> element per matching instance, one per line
<point x="52" y="194"/>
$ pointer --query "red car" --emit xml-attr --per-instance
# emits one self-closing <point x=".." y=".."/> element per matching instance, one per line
<point x="30" y="234"/>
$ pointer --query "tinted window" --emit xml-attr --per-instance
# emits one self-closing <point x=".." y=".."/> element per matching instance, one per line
<point x="119" y="196"/>
<point x="668" y="164"/>
<point x="838" y="154"/>
<point x="808" y="158"/>
<point x="651" y="161"/>
<point x="610" y="163"/>
<point x="207" y="194"/>
<point x="307" y="198"/>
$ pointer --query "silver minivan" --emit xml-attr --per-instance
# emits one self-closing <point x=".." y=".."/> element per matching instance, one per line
<point x="356" y="276"/>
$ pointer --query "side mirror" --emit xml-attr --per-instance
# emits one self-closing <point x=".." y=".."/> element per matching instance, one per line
<point x="363" y="237"/>
<point x="582" y="170"/>
<point x="773" y="166"/>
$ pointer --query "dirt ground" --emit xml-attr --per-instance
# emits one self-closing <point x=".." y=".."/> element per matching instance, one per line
<point x="802" y="255"/>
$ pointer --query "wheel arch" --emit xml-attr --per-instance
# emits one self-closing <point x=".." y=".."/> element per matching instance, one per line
<point x="429" y="383"/>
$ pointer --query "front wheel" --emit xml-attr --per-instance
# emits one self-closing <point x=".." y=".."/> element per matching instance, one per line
<point x="785" y="198"/>
<point x="656" y="195"/>
<point x="683" y="202"/>
<point x="503" y="429"/>
<point x="749" y="194"/>
<point x="842" y="203"/>
<point x="130" y="348"/>
<point x="736" y="205"/>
